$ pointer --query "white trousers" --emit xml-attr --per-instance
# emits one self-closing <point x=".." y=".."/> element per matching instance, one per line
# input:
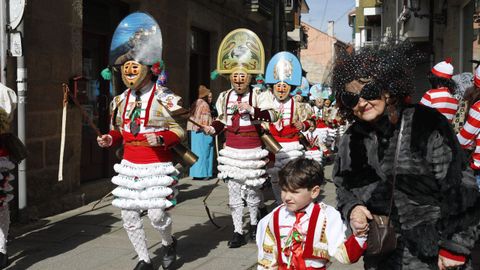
<point x="133" y="224"/>
<point x="4" y="227"/>
<point x="236" y="193"/>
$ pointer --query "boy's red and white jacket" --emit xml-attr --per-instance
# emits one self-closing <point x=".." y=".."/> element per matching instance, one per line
<point x="323" y="237"/>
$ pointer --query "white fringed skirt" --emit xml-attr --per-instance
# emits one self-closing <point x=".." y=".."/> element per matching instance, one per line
<point x="6" y="189"/>
<point x="145" y="186"/>
<point x="245" y="166"/>
<point x="315" y="155"/>
<point x="289" y="151"/>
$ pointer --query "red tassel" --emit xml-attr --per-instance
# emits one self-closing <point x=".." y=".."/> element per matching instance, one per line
<point x="448" y="60"/>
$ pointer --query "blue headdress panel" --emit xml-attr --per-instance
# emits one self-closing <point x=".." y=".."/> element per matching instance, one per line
<point x="138" y="37"/>
<point x="284" y="67"/>
<point x="303" y="89"/>
<point x="316" y="91"/>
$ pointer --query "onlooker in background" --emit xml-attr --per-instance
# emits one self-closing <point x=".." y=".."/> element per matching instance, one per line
<point x="469" y="136"/>
<point x="441" y="96"/>
<point x="201" y="144"/>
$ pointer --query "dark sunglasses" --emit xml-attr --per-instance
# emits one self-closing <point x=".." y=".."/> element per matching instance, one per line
<point x="370" y="91"/>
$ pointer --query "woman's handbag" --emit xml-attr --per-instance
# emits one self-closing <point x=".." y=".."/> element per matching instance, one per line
<point x="382" y="238"/>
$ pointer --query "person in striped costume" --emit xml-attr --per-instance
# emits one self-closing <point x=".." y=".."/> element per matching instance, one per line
<point x="284" y="72"/>
<point x="469" y="135"/>
<point x="441" y="96"/>
<point x="141" y="122"/>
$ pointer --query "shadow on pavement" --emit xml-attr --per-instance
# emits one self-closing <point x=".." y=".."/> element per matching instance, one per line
<point x="58" y="238"/>
<point x="198" y="241"/>
<point x="187" y="192"/>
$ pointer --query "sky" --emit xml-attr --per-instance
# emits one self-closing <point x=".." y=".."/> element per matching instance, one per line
<point x="322" y="11"/>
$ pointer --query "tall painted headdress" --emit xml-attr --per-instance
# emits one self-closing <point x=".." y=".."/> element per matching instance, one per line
<point x="316" y="91"/>
<point x="241" y="48"/>
<point x="303" y="89"/>
<point x="138" y="37"/>
<point x="284" y="67"/>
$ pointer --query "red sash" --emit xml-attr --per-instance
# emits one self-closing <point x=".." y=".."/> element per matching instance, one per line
<point x="308" y="247"/>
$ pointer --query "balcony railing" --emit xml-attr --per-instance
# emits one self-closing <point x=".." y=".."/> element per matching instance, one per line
<point x="261" y="6"/>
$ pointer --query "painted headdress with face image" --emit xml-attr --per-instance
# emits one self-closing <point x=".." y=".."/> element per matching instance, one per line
<point x="315" y="91"/>
<point x="384" y="69"/>
<point x="284" y="67"/>
<point x="303" y="89"/>
<point x="137" y="38"/>
<point x="241" y="49"/>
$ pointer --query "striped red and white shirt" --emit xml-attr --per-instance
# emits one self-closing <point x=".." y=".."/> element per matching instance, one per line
<point x="469" y="136"/>
<point x="442" y="100"/>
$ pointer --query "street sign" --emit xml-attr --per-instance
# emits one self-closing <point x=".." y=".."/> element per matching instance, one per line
<point x="16" y="9"/>
<point x="16" y="44"/>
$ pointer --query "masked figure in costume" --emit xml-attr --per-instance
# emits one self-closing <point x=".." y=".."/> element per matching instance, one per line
<point x="284" y="72"/>
<point x="240" y="111"/>
<point x="9" y="157"/>
<point x="140" y="120"/>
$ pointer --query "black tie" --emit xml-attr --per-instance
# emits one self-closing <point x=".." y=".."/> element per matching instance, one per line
<point x="134" y="125"/>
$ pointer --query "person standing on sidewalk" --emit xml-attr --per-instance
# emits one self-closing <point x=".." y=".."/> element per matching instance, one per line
<point x="146" y="176"/>
<point x="241" y="109"/>
<point x="202" y="144"/>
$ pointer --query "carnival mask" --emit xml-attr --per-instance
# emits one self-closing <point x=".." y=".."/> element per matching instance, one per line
<point x="134" y="74"/>
<point x="240" y="81"/>
<point x="281" y="90"/>
<point x="327" y="103"/>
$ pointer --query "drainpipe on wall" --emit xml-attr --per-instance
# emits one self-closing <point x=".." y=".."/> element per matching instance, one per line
<point x="430" y="36"/>
<point x="3" y="42"/>
<point x="396" y="20"/>
<point x="22" y="100"/>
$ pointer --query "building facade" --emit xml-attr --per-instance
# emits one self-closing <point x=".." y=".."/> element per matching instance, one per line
<point x="68" y="41"/>
<point x="318" y="56"/>
<point x="367" y="25"/>
<point x="440" y="29"/>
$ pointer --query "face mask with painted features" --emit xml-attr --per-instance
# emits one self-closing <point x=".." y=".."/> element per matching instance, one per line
<point x="240" y="81"/>
<point x="134" y="74"/>
<point x="319" y="102"/>
<point x="327" y="103"/>
<point x="281" y="91"/>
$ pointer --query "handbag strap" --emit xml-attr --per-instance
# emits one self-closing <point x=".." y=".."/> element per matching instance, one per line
<point x="395" y="162"/>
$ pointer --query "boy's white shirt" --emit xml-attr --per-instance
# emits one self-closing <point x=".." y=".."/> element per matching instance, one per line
<point x="335" y="235"/>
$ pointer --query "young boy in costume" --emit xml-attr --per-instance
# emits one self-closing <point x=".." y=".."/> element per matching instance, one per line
<point x="304" y="233"/>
